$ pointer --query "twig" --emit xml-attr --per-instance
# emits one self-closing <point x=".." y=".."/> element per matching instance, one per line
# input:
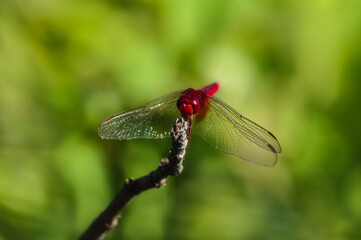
<point x="171" y="166"/>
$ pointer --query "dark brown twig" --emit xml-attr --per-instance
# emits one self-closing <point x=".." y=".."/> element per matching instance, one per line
<point x="171" y="166"/>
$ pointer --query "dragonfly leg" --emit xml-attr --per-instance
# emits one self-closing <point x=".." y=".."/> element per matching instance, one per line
<point x="190" y="121"/>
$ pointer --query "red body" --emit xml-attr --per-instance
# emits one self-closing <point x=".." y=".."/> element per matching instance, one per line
<point x="193" y="100"/>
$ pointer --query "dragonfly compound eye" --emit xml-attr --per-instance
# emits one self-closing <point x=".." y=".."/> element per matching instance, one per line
<point x="195" y="105"/>
<point x="186" y="109"/>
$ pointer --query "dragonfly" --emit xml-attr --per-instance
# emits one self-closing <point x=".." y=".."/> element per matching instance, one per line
<point x="215" y="121"/>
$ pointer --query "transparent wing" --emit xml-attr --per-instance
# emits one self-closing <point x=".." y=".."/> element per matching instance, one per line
<point x="227" y="130"/>
<point x="152" y="120"/>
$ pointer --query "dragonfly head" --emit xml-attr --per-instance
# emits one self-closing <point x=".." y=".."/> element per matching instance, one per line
<point x="188" y="104"/>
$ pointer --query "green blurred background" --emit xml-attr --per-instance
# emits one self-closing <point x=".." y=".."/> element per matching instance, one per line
<point x="292" y="66"/>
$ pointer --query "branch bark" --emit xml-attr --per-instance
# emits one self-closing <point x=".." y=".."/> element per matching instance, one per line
<point x="171" y="166"/>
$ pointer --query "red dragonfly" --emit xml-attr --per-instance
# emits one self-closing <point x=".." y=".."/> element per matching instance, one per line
<point x="216" y="122"/>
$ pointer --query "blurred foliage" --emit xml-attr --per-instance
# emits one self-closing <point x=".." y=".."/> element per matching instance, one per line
<point x="292" y="66"/>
